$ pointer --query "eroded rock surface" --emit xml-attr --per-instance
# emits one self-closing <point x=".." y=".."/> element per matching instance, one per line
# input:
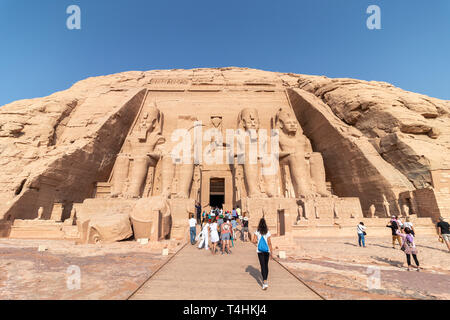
<point x="54" y="149"/>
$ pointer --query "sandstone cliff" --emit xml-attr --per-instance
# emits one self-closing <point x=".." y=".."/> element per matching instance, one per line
<point x="55" y="148"/>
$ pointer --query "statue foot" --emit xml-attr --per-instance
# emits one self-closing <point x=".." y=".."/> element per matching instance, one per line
<point x="180" y="196"/>
<point x="309" y="196"/>
<point x="258" y="195"/>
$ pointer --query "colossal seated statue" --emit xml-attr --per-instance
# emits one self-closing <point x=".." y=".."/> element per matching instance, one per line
<point x="248" y="120"/>
<point x="143" y="149"/>
<point x="176" y="165"/>
<point x="306" y="168"/>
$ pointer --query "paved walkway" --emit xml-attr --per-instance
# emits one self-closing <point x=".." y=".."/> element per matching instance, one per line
<point x="195" y="274"/>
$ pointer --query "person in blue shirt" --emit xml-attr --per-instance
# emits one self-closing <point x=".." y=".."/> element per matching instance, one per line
<point x="233" y="232"/>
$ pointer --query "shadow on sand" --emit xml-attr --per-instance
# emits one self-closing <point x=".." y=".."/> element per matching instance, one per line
<point x="255" y="273"/>
<point x="421" y="245"/>
<point x="394" y="263"/>
<point x="350" y="244"/>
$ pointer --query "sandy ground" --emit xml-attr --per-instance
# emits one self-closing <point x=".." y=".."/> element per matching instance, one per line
<point x="336" y="268"/>
<point x="109" y="271"/>
<point x="340" y="269"/>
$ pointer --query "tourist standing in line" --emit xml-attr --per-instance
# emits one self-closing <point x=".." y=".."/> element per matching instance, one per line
<point x="198" y="211"/>
<point x="408" y="224"/>
<point x="226" y="235"/>
<point x="214" y="236"/>
<point x="192" y="228"/>
<point x="444" y="231"/>
<point x="245" y="228"/>
<point x="238" y="211"/>
<point x="264" y="249"/>
<point x="234" y="213"/>
<point x="219" y="224"/>
<point x="394" y="227"/>
<point x="220" y="221"/>
<point x="205" y="233"/>
<point x="361" y="229"/>
<point x="233" y="233"/>
<point x="203" y="216"/>
<point x="409" y="247"/>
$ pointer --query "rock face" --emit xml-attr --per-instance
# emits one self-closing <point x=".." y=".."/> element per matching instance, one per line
<point x="409" y="130"/>
<point x="375" y="138"/>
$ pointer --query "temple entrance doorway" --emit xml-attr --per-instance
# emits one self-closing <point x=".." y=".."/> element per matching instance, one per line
<point x="216" y="188"/>
<point x="217" y="192"/>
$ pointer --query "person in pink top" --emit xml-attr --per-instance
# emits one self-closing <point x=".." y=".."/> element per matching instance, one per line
<point x="409" y="247"/>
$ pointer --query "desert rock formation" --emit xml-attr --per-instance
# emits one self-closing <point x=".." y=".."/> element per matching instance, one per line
<point x="375" y="139"/>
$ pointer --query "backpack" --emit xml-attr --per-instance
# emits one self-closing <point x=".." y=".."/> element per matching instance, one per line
<point x="262" y="245"/>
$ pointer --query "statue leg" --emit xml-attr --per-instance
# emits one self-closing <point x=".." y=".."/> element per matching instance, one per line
<point x="270" y="175"/>
<point x="299" y="175"/>
<point x="252" y="180"/>
<point x="184" y="185"/>
<point x="120" y="175"/>
<point x="318" y="174"/>
<point x="138" y="175"/>
<point x="167" y="175"/>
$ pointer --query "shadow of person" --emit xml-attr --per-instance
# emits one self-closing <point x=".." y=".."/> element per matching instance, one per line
<point x="350" y="244"/>
<point x="394" y="263"/>
<point x="421" y="245"/>
<point x="382" y="246"/>
<point x="255" y="273"/>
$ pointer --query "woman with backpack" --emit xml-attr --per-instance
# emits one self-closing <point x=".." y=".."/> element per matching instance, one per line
<point x="409" y="247"/>
<point x="261" y="238"/>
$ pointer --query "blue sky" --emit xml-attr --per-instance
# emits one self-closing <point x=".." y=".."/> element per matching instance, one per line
<point x="39" y="55"/>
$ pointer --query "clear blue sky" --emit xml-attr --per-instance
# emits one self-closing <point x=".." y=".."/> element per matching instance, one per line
<point x="39" y="55"/>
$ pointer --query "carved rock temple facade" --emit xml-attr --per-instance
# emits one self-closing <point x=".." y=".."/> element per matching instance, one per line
<point x="137" y="168"/>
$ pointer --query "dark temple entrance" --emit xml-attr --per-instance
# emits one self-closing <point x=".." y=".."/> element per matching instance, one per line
<point x="217" y="192"/>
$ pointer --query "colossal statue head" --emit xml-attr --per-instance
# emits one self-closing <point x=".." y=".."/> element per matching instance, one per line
<point x="249" y="119"/>
<point x="153" y="117"/>
<point x="286" y="121"/>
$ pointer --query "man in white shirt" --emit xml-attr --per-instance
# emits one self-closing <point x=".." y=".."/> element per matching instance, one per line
<point x="192" y="228"/>
<point x="361" y="229"/>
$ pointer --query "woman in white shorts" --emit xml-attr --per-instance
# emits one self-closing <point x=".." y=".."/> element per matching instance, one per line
<point x="214" y="236"/>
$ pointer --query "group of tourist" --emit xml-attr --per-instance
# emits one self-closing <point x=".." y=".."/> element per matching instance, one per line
<point x="219" y="229"/>
<point x="404" y="234"/>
